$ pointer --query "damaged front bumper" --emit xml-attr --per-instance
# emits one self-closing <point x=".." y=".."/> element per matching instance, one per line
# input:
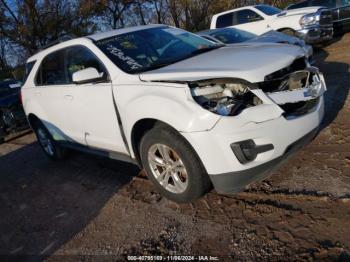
<point x="240" y="149"/>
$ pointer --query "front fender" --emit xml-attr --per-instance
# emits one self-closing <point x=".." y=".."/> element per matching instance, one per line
<point x="171" y="105"/>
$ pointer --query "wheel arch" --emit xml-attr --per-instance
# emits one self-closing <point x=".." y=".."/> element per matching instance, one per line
<point x="139" y="129"/>
<point x="32" y="119"/>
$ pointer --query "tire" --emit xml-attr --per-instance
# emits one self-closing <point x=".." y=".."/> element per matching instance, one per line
<point x="47" y="143"/>
<point x="288" y="31"/>
<point x="181" y="175"/>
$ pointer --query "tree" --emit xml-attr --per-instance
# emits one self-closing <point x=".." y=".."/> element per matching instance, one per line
<point x="111" y="12"/>
<point x="33" y="24"/>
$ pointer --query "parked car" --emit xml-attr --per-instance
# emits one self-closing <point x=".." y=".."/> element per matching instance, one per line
<point x="234" y="36"/>
<point x="340" y="10"/>
<point x="12" y="117"/>
<point x="312" y="24"/>
<point x="190" y="112"/>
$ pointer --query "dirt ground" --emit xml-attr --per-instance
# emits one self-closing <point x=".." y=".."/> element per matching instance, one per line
<point x="87" y="205"/>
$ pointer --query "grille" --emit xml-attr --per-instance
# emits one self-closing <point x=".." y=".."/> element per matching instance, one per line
<point x="326" y="18"/>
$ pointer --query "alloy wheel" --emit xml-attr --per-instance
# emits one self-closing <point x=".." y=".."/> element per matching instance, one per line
<point x="168" y="168"/>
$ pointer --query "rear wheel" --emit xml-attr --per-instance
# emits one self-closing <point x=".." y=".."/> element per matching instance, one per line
<point x="47" y="143"/>
<point x="172" y="165"/>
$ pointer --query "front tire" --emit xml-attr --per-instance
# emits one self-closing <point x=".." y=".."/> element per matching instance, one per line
<point x="47" y="143"/>
<point x="172" y="165"/>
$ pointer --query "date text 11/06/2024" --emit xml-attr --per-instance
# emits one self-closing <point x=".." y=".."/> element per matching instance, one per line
<point x="172" y="258"/>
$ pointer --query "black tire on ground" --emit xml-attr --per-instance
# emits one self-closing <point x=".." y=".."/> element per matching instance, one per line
<point x="198" y="182"/>
<point x="57" y="152"/>
<point x="288" y="31"/>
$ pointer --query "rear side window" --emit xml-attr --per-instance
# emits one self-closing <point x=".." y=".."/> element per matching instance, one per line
<point x="51" y="70"/>
<point x="247" y="16"/>
<point x="28" y="68"/>
<point x="78" y="58"/>
<point x="225" y="20"/>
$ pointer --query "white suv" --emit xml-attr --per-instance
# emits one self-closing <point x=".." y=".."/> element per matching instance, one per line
<point x="192" y="113"/>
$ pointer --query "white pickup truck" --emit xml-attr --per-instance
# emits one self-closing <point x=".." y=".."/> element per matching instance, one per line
<point x="313" y="24"/>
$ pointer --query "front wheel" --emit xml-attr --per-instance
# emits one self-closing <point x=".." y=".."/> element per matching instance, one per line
<point x="172" y="165"/>
<point x="47" y="143"/>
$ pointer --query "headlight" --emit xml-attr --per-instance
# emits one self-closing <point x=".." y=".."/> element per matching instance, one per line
<point x="309" y="19"/>
<point x="223" y="97"/>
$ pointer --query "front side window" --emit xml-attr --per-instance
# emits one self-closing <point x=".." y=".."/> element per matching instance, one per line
<point x="225" y="20"/>
<point x="149" y="49"/>
<point x="78" y="58"/>
<point x="51" y="71"/>
<point x="247" y="16"/>
<point x="233" y="35"/>
<point x="268" y="10"/>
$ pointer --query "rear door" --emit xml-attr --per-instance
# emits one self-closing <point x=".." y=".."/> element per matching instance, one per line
<point x="49" y="81"/>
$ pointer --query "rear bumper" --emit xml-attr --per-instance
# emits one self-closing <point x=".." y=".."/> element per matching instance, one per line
<point x="234" y="182"/>
<point x="316" y="35"/>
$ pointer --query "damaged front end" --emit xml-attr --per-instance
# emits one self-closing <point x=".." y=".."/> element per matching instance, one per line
<point x="296" y="93"/>
<point x="225" y="97"/>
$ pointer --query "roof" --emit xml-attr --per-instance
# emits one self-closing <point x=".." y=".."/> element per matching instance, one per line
<point x="94" y="37"/>
<point x="103" y="35"/>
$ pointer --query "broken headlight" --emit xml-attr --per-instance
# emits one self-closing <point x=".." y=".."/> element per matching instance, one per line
<point x="224" y="97"/>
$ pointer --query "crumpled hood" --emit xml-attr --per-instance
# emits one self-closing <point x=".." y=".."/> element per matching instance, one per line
<point x="251" y="62"/>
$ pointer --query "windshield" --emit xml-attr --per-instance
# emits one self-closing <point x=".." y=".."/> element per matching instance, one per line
<point x="232" y="36"/>
<point x="268" y="10"/>
<point x="149" y="49"/>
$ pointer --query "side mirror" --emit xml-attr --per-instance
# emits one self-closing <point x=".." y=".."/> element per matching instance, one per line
<point x="87" y="75"/>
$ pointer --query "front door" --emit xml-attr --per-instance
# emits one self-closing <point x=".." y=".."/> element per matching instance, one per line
<point x="92" y="115"/>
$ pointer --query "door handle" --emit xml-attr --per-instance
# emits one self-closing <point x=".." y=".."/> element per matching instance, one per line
<point x="37" y="93"/>
<point x="69" y="97"/>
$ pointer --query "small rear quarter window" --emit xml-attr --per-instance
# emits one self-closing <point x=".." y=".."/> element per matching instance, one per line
<point x="27" y="69"/>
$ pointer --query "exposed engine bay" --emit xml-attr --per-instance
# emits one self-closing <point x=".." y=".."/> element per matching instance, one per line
<point x="296" y="92"/>
<point x="224" y="97"/>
